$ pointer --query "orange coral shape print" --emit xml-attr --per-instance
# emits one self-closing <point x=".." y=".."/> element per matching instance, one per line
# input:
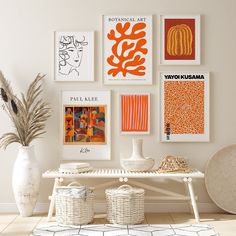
<point x="179" y="40"/>
<point x="128" y="50"/>
<point x="184" y="107"/>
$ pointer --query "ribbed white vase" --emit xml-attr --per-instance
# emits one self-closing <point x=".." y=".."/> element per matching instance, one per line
<point x="137" y="149"/>
<point x="26" y="180"/>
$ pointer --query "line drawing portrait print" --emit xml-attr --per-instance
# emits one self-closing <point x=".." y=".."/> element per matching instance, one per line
<point x="71" y="54"/>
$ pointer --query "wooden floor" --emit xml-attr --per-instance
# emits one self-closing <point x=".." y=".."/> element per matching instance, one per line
<point x="225" y="224"/>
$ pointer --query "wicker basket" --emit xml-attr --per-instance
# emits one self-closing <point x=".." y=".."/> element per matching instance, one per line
<point x="74" y="204"/>
<point x="125" y="205"/>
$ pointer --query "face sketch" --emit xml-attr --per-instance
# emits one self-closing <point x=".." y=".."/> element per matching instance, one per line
<point x="70" y="54"/>
<point x="74" y="56"/>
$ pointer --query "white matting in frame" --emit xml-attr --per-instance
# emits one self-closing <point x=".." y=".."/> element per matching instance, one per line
<point x="127" y="49"/>
<point x="180" y="37"/>
<point x="184" y="106"/>
<point x="74" y="56"/>
<point x="85" y="125"/>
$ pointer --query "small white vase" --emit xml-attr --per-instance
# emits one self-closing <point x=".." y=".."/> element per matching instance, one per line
<point x="26" y="180"/>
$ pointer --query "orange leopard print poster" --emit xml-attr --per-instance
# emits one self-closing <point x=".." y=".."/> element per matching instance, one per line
<point x="185" y="106"/>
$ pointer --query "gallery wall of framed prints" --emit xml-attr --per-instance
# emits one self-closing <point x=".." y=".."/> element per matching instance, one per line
<point x="127" y="56"/>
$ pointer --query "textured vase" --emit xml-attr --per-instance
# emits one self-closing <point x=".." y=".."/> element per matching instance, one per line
<point x="26" y="180"/>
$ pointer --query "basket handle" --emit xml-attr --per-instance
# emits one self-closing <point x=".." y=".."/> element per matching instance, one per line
<point x="125" y="186"/>
<point x="74" y="184"/>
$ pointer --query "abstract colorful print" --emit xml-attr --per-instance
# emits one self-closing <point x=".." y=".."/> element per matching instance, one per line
<point x="84" y="124"/>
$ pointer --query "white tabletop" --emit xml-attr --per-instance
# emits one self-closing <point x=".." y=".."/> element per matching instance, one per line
<point x="117" y="173"/>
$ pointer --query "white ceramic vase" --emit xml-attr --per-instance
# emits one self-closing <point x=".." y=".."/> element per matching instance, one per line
<point x="137" y="149"/>
<point x="137" y="162"/>
<point x="26" y="180"/>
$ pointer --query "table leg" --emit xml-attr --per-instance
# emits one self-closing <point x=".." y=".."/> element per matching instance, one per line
<point x="192" y="197"/>
<point x="57" y="182"/>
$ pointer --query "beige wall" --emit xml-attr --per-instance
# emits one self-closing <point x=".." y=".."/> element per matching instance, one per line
<point x="26" y="48"/>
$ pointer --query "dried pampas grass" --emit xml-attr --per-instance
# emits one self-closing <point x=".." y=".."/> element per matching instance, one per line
<point x="28" y="114"/>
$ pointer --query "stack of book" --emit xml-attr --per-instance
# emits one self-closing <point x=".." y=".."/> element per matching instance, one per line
<point x="74" y="167"/>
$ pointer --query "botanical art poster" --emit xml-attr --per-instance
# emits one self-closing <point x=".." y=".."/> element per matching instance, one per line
<point x="86" y="125"/>
<point x="74" y="56"/>
<point x="127" y="45"/>
<point x="184" y="107"/>
<point x="135" y="113"/>
<point x="180" y="39"/>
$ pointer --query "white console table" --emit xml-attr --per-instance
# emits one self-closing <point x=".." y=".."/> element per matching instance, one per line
<point x="125" y="176"/>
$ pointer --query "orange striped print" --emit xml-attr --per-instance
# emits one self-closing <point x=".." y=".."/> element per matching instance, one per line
<point x="134" y="113"/>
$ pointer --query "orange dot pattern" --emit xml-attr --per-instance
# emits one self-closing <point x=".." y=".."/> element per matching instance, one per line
<point x="184" y="106"/>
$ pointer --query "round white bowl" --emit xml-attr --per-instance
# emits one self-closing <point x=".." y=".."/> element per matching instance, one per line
<point x="144" y="164"/>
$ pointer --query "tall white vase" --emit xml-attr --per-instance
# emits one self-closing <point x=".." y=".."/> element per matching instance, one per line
<point x="137" y="152"/>
<point x="26" y="180"/>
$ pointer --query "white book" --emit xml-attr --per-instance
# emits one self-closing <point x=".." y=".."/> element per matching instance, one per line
<point x="74" y="165"/>
<point x="75" y="171"/>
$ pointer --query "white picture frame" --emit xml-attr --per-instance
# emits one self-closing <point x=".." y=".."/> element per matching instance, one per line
<point x="127" y="61"/>
<point x="135" y="113"/>
<point x="90" y="128"/>
<point x="170" y="27"/>
<point x="184" y="94"/>
<point x="74" y="56"/>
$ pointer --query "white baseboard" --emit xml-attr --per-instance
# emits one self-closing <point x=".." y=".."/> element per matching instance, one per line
<point x="100" y="207"/>
<point x="12" y="208"/>
<point x="168" y="207"/>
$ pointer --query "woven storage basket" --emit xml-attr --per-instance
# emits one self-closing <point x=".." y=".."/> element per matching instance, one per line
<point x="125" y="205"/>
<point x="74" y="204"/>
